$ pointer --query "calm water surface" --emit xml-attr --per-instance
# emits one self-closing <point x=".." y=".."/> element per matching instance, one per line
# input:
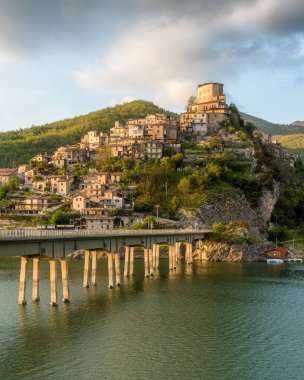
<point x="220" y="321"/>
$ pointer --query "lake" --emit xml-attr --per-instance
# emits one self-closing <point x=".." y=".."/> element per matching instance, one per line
<point x="215" y="321"/>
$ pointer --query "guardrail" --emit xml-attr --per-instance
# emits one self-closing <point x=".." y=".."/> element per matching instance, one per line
<point x="31" y="234"/>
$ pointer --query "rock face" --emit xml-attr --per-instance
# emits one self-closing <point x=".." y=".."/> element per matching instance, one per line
<point x="212" y="251"/>
<point x="232" y="205"/>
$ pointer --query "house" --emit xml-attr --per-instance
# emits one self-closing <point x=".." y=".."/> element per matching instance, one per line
<point x="115" y="177"/>
<point x="67" y="156"/>
<point x="29" y="175"/>
<point x="94" y="140"/>
<point x="276" y="253"/>
<point x="41" y="184"/>
<point x="32" y="205"/>
<point x="6" y="174"/>
<point x="41" y="158"/>
<point x="61" y="184"/>
<point x="80" y="203"/>
<point x="112" y="199"/>
<point x="154" y="149"/>
<point x="99" y="222"/>
<point x="94" y="191"/>
<point x="103" y="178"/>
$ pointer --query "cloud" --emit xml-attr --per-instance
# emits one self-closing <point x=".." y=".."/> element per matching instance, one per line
<point x="155" y="48"/>
<point x="175" y="45"/>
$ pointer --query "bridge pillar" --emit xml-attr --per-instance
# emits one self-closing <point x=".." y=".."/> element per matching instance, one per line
<point x="177" y="251"/>
<point x="170" y="253"/>
<point x="151" y="267"/>
<point x="146" y="260"/>
<point x="53" y="282"/>
<point x="132" y="261"/>
<point x="117" y="268"/>
<point x="110" y="270"/>
<point x="174" y="256"/>
<point x="189" y="253"/>
<point x="157" y="256"/>
<point x="154" y="249"/>
<point x="35" y="288"/>
<point x="22" y="281"/>
<point x="86" y="269"/>
<point x="94" y="268"/>
<point x="127" y="256"/>
<point x="65" y="283"/>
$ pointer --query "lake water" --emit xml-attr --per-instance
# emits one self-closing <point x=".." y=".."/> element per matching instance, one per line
<point x="219" y="321"/>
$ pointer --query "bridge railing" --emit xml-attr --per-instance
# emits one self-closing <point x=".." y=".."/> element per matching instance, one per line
<point x="31" y="234"/>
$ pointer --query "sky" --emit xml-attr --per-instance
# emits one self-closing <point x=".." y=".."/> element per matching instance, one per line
<point x="62" y="58"/>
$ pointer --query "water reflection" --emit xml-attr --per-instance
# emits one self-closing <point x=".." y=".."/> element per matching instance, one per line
<point x="218" y="325"/>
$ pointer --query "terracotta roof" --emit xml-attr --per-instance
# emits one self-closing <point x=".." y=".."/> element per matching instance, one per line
<point x="280" y="249"/>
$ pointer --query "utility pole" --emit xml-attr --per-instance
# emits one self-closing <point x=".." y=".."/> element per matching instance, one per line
<point x="157" y="207"/>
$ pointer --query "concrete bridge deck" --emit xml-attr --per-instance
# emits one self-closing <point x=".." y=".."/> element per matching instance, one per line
<point x="59" y="243"/>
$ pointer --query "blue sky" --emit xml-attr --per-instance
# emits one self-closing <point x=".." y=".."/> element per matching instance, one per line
<point x="61" y="58"/>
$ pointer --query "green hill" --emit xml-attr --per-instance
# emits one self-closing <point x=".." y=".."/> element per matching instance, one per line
<point x="272" y="128"/>
<point x="292" y="143"/>
<point x="17" y="147"/>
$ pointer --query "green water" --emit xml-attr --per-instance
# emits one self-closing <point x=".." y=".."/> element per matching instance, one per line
<point x="219" y="321"/>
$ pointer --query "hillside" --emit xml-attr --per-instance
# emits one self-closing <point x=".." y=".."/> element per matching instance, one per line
<point x="272" y="128"/>
<point x="292" y="143"/>
<point x="19" y="146"/>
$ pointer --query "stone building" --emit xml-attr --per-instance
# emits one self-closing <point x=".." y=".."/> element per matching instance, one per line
<point x="209" y="109"/>
<point x="94" y="140"/>
<point x="6" y="174"/>
<point x="67" y="156"/>
<point x="32" y="204"/>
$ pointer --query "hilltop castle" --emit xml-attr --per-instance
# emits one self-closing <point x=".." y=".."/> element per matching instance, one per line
<point x="208" y="109"/>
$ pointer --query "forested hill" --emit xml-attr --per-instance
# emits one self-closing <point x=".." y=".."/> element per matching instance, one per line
<point x="272" y="128"/>
<point x="17" y="147"/>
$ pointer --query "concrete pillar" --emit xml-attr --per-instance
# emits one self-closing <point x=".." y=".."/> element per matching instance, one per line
<point x="187" y="254"/>
<point x="110" y="270"/>
<point x="117" y="268"/>
<point x="154" y="248"/>
<point x="191" y="253"/>
<point x="151" y="268"/>
<point x="86" y="269"/>
<point x="174" y="251"/>
<point x="170" y="253"/>
<point x="177" y="250"/>
<point x="94" y="268"/>
<point x="127" y="256"/>
<point x="157" y="256"/>
<point x="132" y="261"/>
<point x="65" y="283"/>
<point x="146" y="260"/>
<point x="53" y="282"/>
<point x="22" y="282"/>
<point x="35" y="288"/>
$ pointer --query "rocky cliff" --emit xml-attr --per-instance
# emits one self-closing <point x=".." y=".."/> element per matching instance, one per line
<point x="213" y="251"/>
<point x="232" y="205"/>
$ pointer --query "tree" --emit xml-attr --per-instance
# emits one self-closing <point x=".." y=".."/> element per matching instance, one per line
<point x="59" y="217"/>
<point x="191" y="101"/>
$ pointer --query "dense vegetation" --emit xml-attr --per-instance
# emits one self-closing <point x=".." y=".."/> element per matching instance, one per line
<point x="17" y="147"/>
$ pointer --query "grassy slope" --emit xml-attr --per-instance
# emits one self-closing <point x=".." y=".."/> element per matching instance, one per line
<point x="19" y="146"/>
<point x="292" y="143"/>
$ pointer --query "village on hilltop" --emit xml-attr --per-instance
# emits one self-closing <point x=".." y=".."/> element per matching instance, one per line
<point x="102" y="199"/>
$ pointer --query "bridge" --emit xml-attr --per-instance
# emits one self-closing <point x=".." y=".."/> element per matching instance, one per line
<point x="57" y="244"/>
